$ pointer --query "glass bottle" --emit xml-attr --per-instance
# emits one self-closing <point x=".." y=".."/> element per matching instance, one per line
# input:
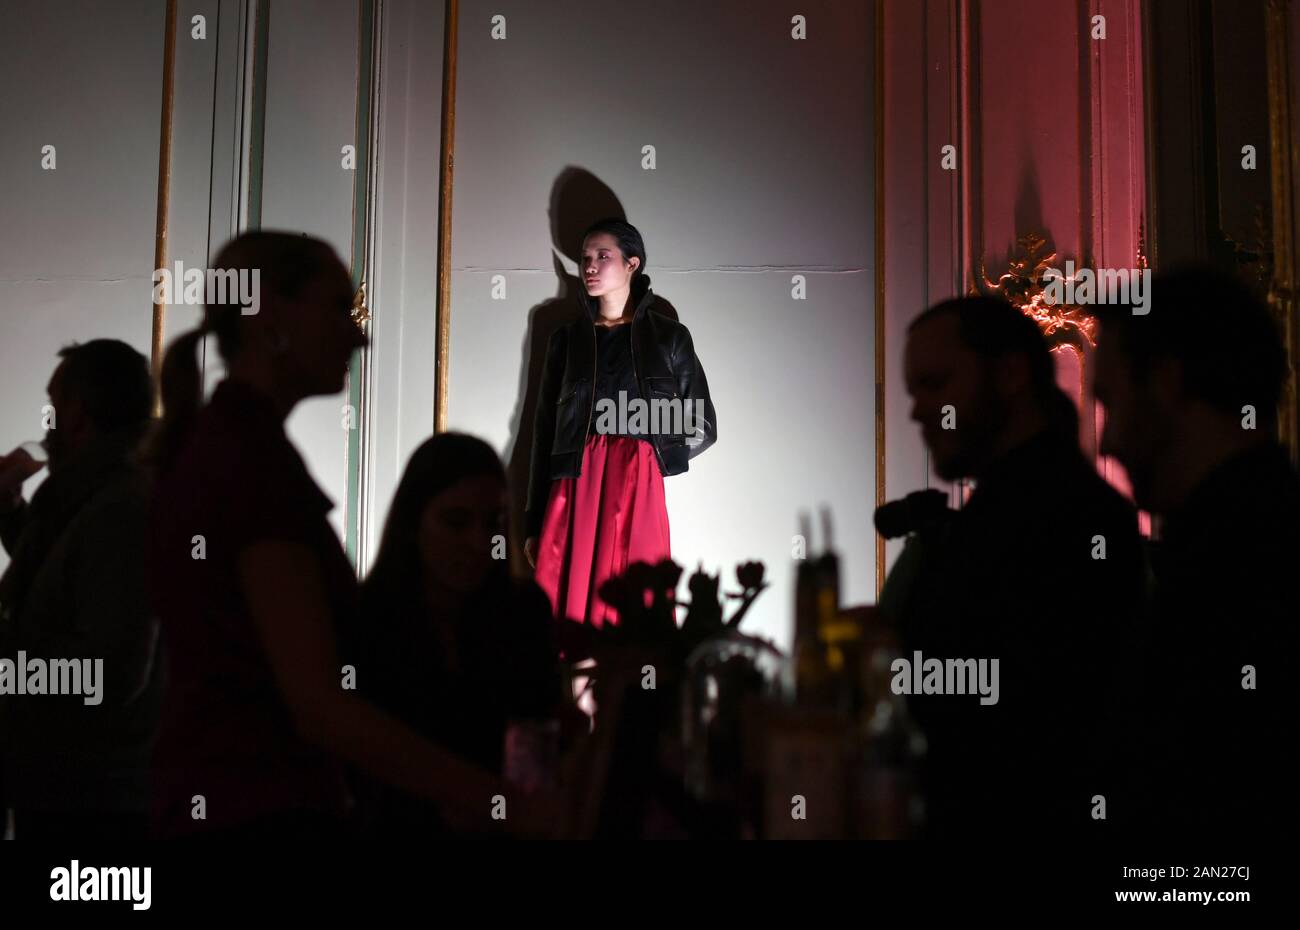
<point x="891" y="747"/>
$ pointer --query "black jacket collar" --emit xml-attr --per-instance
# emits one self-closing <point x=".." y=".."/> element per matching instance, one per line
<point x="641" y="294"/>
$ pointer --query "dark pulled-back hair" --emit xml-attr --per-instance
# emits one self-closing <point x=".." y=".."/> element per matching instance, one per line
<point x="1222" y="335"/>
<point x="286" y="263"/>
<point x="111" y="382"/>
<point x="439" y="463"/>
<point x="629" y="239"/>
<point x="993" y="329"/>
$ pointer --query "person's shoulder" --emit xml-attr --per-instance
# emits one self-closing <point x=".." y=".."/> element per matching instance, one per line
<point x="1259" y="493"/>
<point x="570" y="324"/>
<point x="667" y="323"/>
<point x="527" y="599"/>
<point x="561" y="335"/>
<point x="128" y="486"/>
<point x="672" y="334"/>
<point x="1269" y="474"/>
<point x="218" y="434"/>
<point x="118" y="506"/>
<point x="527" y="623"/>
<point x="1106" y="499"/>
<point x="206" y="466"/>
<point x="1083" y="503"/>
<point x="1065" y="494"/>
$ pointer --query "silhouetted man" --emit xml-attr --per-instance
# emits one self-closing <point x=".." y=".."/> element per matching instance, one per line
<point x="1190" y="392"/>
<point x="74" y="613"/>
<point x="1039" y="571"/>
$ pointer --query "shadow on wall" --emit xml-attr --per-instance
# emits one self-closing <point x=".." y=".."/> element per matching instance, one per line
<point x="578" y="199"/>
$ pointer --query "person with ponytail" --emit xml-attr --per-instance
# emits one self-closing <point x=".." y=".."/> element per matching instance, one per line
<point x="253" y="590"/>
<point x="596" y="486"/>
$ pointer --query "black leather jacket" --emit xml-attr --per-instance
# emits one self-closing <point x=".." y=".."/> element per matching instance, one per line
<point x="666" y="367"/>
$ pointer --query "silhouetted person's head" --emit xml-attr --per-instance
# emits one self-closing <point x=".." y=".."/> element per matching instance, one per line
<point x="613" y="255"/>
<point x="297" y="343"/>
<point x="1179" y="383"/>
<point x="982" y="380"/>
<point x="100" y="388"/>
<point x="446" y="524"/>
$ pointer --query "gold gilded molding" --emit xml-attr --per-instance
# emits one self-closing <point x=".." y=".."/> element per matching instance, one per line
<point x="159" y="310"/>
<point x="443" y="312"/>
<point x="1284" y="158"/>
<point x="1022" y="286"/>
<point x="360" y="312"/>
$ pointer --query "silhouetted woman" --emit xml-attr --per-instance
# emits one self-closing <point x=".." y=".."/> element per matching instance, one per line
<point x="623" y="403"/>
<point x="450" y="643"/>
<point x="252" y="587"/>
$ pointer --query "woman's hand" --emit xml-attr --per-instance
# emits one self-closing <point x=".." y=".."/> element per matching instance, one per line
<point x="542" y="815"/>
<point x="530" y="550"/>
<point x="285" y="590"/>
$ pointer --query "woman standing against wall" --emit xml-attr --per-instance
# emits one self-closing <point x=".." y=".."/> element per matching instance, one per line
<point x="596" y="493"/>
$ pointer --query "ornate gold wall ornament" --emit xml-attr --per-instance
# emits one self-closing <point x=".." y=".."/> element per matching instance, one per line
<point x="360" y="312"/>
<point x="1022" y="285"/>
<point x="1254" y="260"/>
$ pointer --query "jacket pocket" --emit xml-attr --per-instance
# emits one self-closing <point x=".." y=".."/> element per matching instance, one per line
<point x="661" y="387"/>
<point x="570" y="419"/>
<point x="668" y="410"/>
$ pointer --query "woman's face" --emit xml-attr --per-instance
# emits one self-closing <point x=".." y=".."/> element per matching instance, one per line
<point x="318" y="334"/>
<point x="603" y="268"/>
<point x="460" y="530"/>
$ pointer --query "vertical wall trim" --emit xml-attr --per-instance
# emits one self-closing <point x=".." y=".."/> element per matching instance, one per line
<point x="1139" y="203"/>
<point x="878" y="132"/>
<point x="968" y="114"/>
<point x="257" y="114"/>
<point x="212" y="160"/>
<point x="159" y="310"/>
<point x="243" y="156"/>
<point x="928" y="151"/>
<point x="212" y="131"/>
<point x="967" y="210"/>
<point x="1283" y="157"/>
<point x="1152" y="225"/>
<point x="443" y="313"/>
<point x="368" y="33"/>
<point x="1091" y="145"/>
<point x="955" y="128"/>
<point x="366" y="453"/>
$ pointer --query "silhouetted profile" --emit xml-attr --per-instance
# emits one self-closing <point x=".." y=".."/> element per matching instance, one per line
<point x="254" y="589"/>
<point x="1190" y="392"/>
<point x="78" y="764"/>
<point x="1014" y="576"/>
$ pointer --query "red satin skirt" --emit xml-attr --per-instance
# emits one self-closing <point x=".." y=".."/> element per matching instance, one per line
<point x="597" y="524"/>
